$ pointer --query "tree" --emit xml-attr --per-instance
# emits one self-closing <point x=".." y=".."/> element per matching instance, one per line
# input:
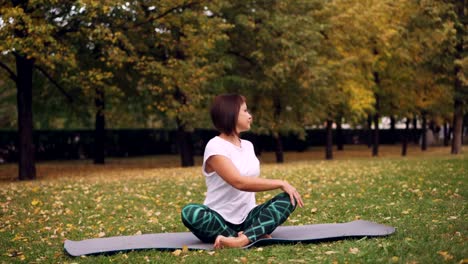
<point x="421" y="65"/>
<point x="176" y="45"/>
<point x="272" y="58"/>
<point x="362" y="57"/>
<point x="42" y="36"/>
<point x="29" y="38"/>
<point x="103" y="51"/>
<point x="435" y="49"/>
<point x="460" y="73"/>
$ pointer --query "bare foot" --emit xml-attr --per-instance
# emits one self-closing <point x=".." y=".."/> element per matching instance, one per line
<point x="231" y="242"/>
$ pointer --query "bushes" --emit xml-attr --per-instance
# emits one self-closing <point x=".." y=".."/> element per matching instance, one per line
<point x="78" y="144"/>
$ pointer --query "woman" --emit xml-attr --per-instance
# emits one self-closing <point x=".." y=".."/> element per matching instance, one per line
<point x="229" y="216"/>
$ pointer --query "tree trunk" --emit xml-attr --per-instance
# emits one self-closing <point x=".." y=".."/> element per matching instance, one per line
<point x="393" y="130"/>
<point x="457" y="128"/>
<point x="279" y="144"/>
<point x="26" y="162"/>
<point x="329" y="141"/>
<point x="375" y="139"/>
<point x="404" y="146"/>
<point x="460" y="8"/>
<point x="369" y="131"/>
<point x="100" y="128"/>
<point x="415" y="131"/>
<point x="424" y="133"/>
<point x="184" y="140"/>
<point x="375" y="145"/>
<point x="339" y="135"/>
<point x="464" y="127"/>
<point x="279" y="152"/>
<point x="446" y="134"/>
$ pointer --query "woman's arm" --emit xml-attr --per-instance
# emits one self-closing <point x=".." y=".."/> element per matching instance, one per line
<point x="226" y="169"/>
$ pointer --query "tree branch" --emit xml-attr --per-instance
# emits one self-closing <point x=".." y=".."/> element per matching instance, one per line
<point x="10" y="72"/>
<point x="69" y="98"/>
<point x="249" y="60"/>
<point x="170" y="10"/>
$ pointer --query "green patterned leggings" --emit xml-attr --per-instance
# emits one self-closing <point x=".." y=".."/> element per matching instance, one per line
<point x="207" y="224"/>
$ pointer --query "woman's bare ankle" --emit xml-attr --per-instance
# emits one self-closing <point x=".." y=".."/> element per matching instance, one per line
<point x="266" y="236"/>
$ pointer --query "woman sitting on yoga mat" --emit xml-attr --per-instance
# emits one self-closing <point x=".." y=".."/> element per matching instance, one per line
<point x="229" y="216"/>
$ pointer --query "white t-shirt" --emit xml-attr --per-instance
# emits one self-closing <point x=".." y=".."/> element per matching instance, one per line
<point x="232" y="204"/>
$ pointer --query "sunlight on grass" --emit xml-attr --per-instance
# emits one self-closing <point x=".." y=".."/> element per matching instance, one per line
<point x="423" y="196"/>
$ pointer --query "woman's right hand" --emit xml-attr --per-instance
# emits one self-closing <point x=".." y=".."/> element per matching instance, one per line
<point x="293" y="194"/>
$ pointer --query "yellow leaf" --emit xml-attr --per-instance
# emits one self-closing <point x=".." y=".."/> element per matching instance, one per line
<point x="35" y="202"/>
<point x="445" y="255"/>
<point x="185" y="249"/>
<point x="18" y="237"/>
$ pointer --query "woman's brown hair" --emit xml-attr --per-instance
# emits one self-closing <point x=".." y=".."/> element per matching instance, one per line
<point x="225" y="111"/>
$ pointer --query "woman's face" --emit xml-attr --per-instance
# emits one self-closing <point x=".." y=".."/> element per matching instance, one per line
<point x="244" y="120"/>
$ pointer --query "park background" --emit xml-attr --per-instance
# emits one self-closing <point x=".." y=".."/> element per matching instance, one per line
<point x="102" y="65"/>
<point x="104" y="93"/>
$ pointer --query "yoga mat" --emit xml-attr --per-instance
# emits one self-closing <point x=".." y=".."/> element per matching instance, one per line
<point x="282" y="235"/>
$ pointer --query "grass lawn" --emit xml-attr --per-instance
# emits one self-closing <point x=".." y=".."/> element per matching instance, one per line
<point x="422" y="195"/>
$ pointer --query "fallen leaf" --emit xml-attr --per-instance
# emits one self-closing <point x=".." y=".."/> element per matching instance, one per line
<point x="354" y="250"/>
<point x="445" y="255"/>
<point x="177" y="252"/>
<point x="185" y="249"/>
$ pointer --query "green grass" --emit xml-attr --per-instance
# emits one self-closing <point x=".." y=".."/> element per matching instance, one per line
<point x="423" y="196"/>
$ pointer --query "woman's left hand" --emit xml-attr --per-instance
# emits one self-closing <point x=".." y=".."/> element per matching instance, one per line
<point x="293" y="194"/>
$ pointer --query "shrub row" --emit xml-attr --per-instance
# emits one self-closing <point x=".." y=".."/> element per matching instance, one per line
<point x="78" y="144"/>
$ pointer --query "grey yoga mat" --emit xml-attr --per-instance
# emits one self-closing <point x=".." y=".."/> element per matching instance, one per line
<point x="282" y="235"/>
